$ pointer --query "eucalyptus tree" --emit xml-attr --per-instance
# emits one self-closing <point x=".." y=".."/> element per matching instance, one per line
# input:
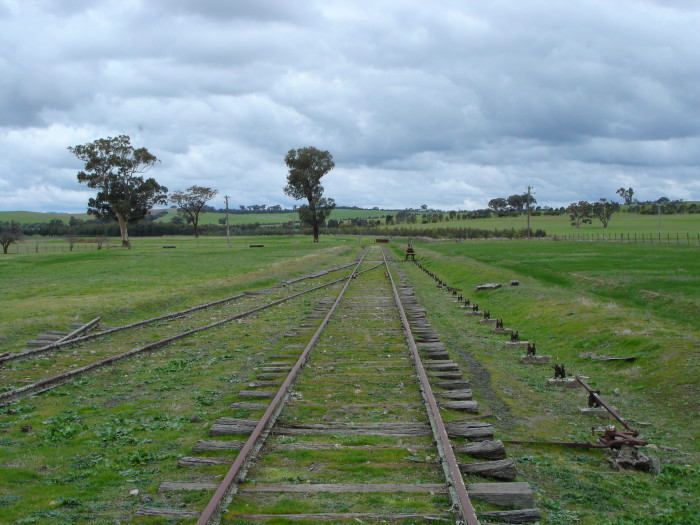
<point x="580" y="212"/>
<point x="190" y="203"/>
<point x="10" y="233"/>
<point x="114" y="167"/>
<point x="306" y="168"/>
<point x="603" y="210"/>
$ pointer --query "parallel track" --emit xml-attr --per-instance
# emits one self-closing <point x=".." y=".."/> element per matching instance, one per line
<point x="97" y="350"/>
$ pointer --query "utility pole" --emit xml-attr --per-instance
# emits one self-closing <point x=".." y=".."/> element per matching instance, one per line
<point x="228" y="233"/>
<point x="527" y="205"/>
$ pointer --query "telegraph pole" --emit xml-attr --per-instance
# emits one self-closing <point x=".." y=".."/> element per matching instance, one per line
<point x="529" y="188"/>
<point x="228" y="233"/>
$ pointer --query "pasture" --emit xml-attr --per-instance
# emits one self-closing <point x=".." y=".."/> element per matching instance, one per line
<point x="621" y="223"/>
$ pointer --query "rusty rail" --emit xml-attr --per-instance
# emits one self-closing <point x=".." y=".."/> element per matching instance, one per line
<point x="229" y="484"/>
<point x="61" y="379"/>
<point x="66" y="342"/>
<point x="76" y="333"/>
<point x="449" y="462"/>
<point x="607" y="407"/>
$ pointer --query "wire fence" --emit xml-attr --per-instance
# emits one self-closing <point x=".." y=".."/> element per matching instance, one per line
<point x="633" y="238"/>
<point x="83" y="245"/>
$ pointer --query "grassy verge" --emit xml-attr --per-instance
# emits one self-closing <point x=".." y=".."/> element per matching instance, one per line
<point x="567" y="315"/>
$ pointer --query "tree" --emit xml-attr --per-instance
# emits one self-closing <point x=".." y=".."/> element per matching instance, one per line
<point x="113" y="167"/>
<point x="499" y="205"/>
<point x="323" y="210"/>
<point x="580" y="213"/>
<point x="626" y="194"/>
<point x="517" y="202"/>
<point x="190" y="203"/>
<point x="10" y="233"/>
<point x="603" y="210"/>
<point x="72" y="237"/>
<point x="306" y="167"/>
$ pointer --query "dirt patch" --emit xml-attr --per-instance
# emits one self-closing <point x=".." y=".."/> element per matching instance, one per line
<point x="480" y="379"/>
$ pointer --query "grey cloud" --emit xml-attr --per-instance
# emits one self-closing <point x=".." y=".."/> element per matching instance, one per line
<point x="448" y="106"/>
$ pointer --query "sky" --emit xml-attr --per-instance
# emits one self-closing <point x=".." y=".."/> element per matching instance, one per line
<point x="449" y="103"/>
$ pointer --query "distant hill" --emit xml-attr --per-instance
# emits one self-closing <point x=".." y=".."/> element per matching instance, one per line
<point x="31" y="217"/>
<point x="35" y="217"/>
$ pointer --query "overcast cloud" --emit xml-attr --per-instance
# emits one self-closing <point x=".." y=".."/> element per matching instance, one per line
<point x="446" y="103"/>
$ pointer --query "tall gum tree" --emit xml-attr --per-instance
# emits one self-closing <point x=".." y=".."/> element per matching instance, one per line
<point x="306" y="167"/>
<point x="114" y="167"/>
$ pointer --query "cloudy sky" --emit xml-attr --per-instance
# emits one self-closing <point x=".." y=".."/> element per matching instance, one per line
<point x="447" y="103"/>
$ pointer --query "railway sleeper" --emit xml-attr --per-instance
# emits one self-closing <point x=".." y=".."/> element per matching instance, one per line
<point x="453" y="385"/>
<point x="472" y="430"/>
<point x="257" y="393"/>
<point x="435" y="354"/>
<point x="516" y="495"/>
<point x="358" y="516"/>
<point x="503" y="469"/>
<point x="445" y="375"/>
<point x="464" y="394"/>
<point x="490" y="449"/>
<point x="462" y="406"/>
<point x="442" y="365"/>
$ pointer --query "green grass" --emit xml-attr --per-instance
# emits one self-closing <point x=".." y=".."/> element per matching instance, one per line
<point x="662" y="279"/>
<point x="621" y="223"/>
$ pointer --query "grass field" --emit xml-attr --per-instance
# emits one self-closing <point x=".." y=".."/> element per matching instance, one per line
<point x="124" y="427"/>
<point x="627" y="223"/>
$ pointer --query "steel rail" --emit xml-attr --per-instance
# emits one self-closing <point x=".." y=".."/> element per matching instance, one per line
<point x="77" y="332"/>
<point x="607" y="407"/>
<point x="228" y="487"/>
<point x="61" y="379"/>
<point x="61" y="344"/>
<point x="67" y="343"/>
<point x="456" y="485"/>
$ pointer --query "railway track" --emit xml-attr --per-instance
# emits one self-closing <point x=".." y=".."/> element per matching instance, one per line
<point x="41" y="369"/>
<point x="365" y="403"/>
